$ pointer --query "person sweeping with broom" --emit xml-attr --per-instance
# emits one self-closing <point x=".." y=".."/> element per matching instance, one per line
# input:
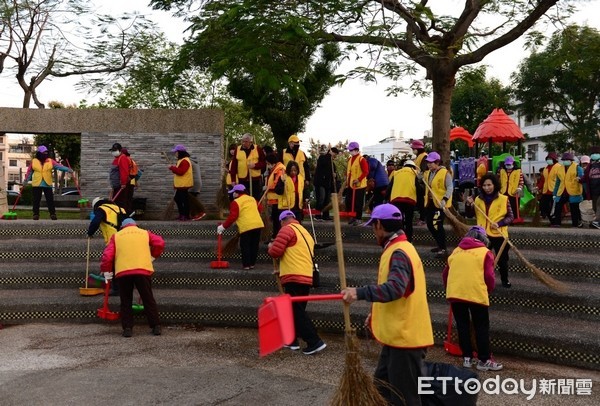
<point x="399" y="318"/>
<point x="243" y="211"/>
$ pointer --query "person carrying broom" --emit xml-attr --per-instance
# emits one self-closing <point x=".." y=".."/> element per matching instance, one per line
<point x="243" y="211"/>
<point x="399" y="318"/>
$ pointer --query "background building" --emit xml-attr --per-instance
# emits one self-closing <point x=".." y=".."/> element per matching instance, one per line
<point x="394" y="144"/>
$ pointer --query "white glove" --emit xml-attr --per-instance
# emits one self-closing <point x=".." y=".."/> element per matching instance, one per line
<point x="108" y="276"/>
<point x="519" y="192"/>
<point x="220" y="229"/>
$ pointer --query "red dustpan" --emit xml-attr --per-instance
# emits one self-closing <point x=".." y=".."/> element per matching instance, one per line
<point x="218" y="264"/>
<point x="351" y="213"/>
<point x="276" y="320"/>
<point x="104" y="312"/>
<point x="451" y="347"/>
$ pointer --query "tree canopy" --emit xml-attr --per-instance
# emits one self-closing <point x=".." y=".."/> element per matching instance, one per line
<point x="562" y="83"/>
<point x="401" y="38"/>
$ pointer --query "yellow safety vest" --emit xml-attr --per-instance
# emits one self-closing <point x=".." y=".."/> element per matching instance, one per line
<point x="466" y="276"/>
<point x="550" y="178"/>
<point x="248" y="217"/>
<point x="496" y="212"/>
<point x="274" y="176"/>
<point x="228" y="176"/>
<point x="109" y="227"/>
<point x="510" y="182"/>
<point x="419" y="159"/>
<point x="438" y="185"/>
<point x="288" y="198"/>
<point x="185" y="180"/>
<point x="41" y="171"/>
<point x="297" y="259"/>
<point x="355" y="171"/>
<point x="568" y="180"/>
<point x="300" y="159"/>
<point x="132" y="250"/>
<point x="405" y="322"/>
<point x="404" y="184"/>
<point x="243" y="161"/>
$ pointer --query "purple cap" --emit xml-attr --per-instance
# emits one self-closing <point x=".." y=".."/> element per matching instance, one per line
<point x="478" y="229"/>
<point x="433" y="156"/>
<point x="178" y="147"/>
<point x="285" y="214"/>
<point x="41" y="149"/>
<point x="417" y="144"/>
<point x="567" y="156"/>
<point x="509" y="160"/>
<point x="353" y="145"/>
<point x="385" y="212"/>
<point x="238" y="188"/>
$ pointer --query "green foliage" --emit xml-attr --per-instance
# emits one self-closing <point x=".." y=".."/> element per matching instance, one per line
<point x="561" y="83"/>
<point x="63" y="146"/>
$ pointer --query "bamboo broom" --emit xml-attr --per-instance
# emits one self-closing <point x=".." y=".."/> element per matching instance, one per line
<point x="356" y="387"/>
<point x="537" y="272"/>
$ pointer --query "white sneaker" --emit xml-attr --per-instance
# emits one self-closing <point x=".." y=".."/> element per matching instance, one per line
<point x="489" y="365"/>
<point x="467" y="362"/>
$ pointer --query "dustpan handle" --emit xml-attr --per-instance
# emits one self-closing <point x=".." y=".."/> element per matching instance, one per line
<point x="333" y="296"/>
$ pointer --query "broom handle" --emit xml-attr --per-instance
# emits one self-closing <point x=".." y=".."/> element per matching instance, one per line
<point x="17" y="199"/>
<point x="502" y="247"/>
<point x="74" y="178"/>
<point x="219" y="238"/>
<point x="340" y="257"/>
<point x="332" y="296"/>
<point x="312" y="224"/>
<point x="87" y="263"/>
<point x="506" y="240"/>
<point x="277" y="278"/>
<point x="437" y="201"/>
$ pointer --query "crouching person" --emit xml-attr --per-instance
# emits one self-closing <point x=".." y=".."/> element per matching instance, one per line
<point x="131" y="251"/>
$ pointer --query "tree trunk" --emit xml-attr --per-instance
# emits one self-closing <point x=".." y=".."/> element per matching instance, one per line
<point x="443" y="86"/>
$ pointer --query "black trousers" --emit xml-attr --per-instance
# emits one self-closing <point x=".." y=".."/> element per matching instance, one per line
<point x="496" y="243"/>
<point x="400" y="369"/>
<point x="249" y="242"/>
<point x="143" y="284"/>
<point x="574" y="207"/>
<point x="378" y="197"/>
<point x="546" y="203"/>
<point x="183" y="203"/>
<point x="435" y="224"/>
<point x="305" y="329"/>
<point x="256" y="188"/>
<point x="464" y="313"/>
<point x="275" y="212"/>
<point x="37" y="198"/>
<point x="513" y="200"/>
<point x="124" y="198"/>
<point x="323" y="197"/>
<point x="355" y="201"/>
<point x="408" y="211"/>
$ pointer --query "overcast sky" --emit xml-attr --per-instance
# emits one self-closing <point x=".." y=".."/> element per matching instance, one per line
<point x="357" y="111"/>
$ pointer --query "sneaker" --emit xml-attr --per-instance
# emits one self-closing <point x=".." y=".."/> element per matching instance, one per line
<point x="580" y="225"/>
<point x="294" y="346"/>
<point x="467" y="362"/>
<point x="441" y="254"/>
<point x="53" y="217"/>
<point x="596" y="224"/>
<point x="127" y="332"/>
<point x="199" y="217"/>
<point x="156" y="330"/>
<point x="313" y="349"/>
<point x="489" y="365"/>
<point x="357" y="222"/>
<point x="36" y="217"/>
<point x="506" y="284"/>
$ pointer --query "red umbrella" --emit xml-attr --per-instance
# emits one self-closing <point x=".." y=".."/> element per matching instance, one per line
<point x="459" y="133"/>
<point x="498" y="127"/>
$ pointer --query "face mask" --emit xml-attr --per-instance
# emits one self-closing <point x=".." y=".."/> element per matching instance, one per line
<point x="549" y="161"/>
<point x="353" y="153"/>
<point x="595" y="157"/>
<point x="508" y="166"/>
<point x="115" y="153"/>
<point x="566" y="163"/>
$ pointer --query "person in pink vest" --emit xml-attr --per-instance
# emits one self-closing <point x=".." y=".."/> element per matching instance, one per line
<point x="469" y="278"/>
<point x="400" y="318"/>
<point x="131" y="252"/>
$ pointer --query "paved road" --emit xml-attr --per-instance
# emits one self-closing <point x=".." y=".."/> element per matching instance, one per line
<point x="66" y="364"/>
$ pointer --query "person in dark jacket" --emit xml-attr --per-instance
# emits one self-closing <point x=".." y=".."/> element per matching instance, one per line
<point x="325" y="180"/>
<point x="591" y="179"/>
<point x="377" y="182"/>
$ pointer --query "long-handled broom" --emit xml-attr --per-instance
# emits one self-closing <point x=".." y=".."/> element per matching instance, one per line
<point x="356" y="387"/>
<point x="89" y="291"/>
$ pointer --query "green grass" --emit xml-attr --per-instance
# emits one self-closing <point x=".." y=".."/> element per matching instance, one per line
<point x="44" y="215"/>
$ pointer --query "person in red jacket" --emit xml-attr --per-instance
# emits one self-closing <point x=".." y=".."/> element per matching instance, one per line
<point x="468" y="279"/>
<point x="294" y="246"/>
<point x="131" y="252"/>
<point x="122" y="189"/>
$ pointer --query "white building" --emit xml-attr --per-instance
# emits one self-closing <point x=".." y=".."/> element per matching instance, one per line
<point x="394" y="144"/>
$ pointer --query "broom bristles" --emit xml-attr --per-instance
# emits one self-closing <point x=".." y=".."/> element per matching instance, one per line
<point x="541" y="275"/>
<point x="460" y="228"/>
<point x="231" y="247"/>
<point x="168" y="213"/>
<point x="356" y="387"/>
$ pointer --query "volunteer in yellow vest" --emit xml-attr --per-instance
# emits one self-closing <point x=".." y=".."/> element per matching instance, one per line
<point x="294" y="153"/>
<point x="39" y="174"/>
<point x="402" y="193"/>
<point x="291" y="192"/>
<point x="482" y="166"/>
<point x="130" y="252"/>
<point x="105" y="218"/>
<point x="568" y="189"/>
<point x="276" y="170"/>
<point x="230" y="159"/>
<point x="511" y="182"/>
<point x="356" y="183"/>
<point x="247" y="166"/>
<point x="497" y="208"/>
<point x="439" y="180"/>
<point x="399" y="318"/>
<point x="418" y="149"/>
<point x="549" y="175"/>
<point x="295" y="247"/>
<point x="183" y="180"/>
<point x="243" y="211"/>
<point x="469" y="278"/>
